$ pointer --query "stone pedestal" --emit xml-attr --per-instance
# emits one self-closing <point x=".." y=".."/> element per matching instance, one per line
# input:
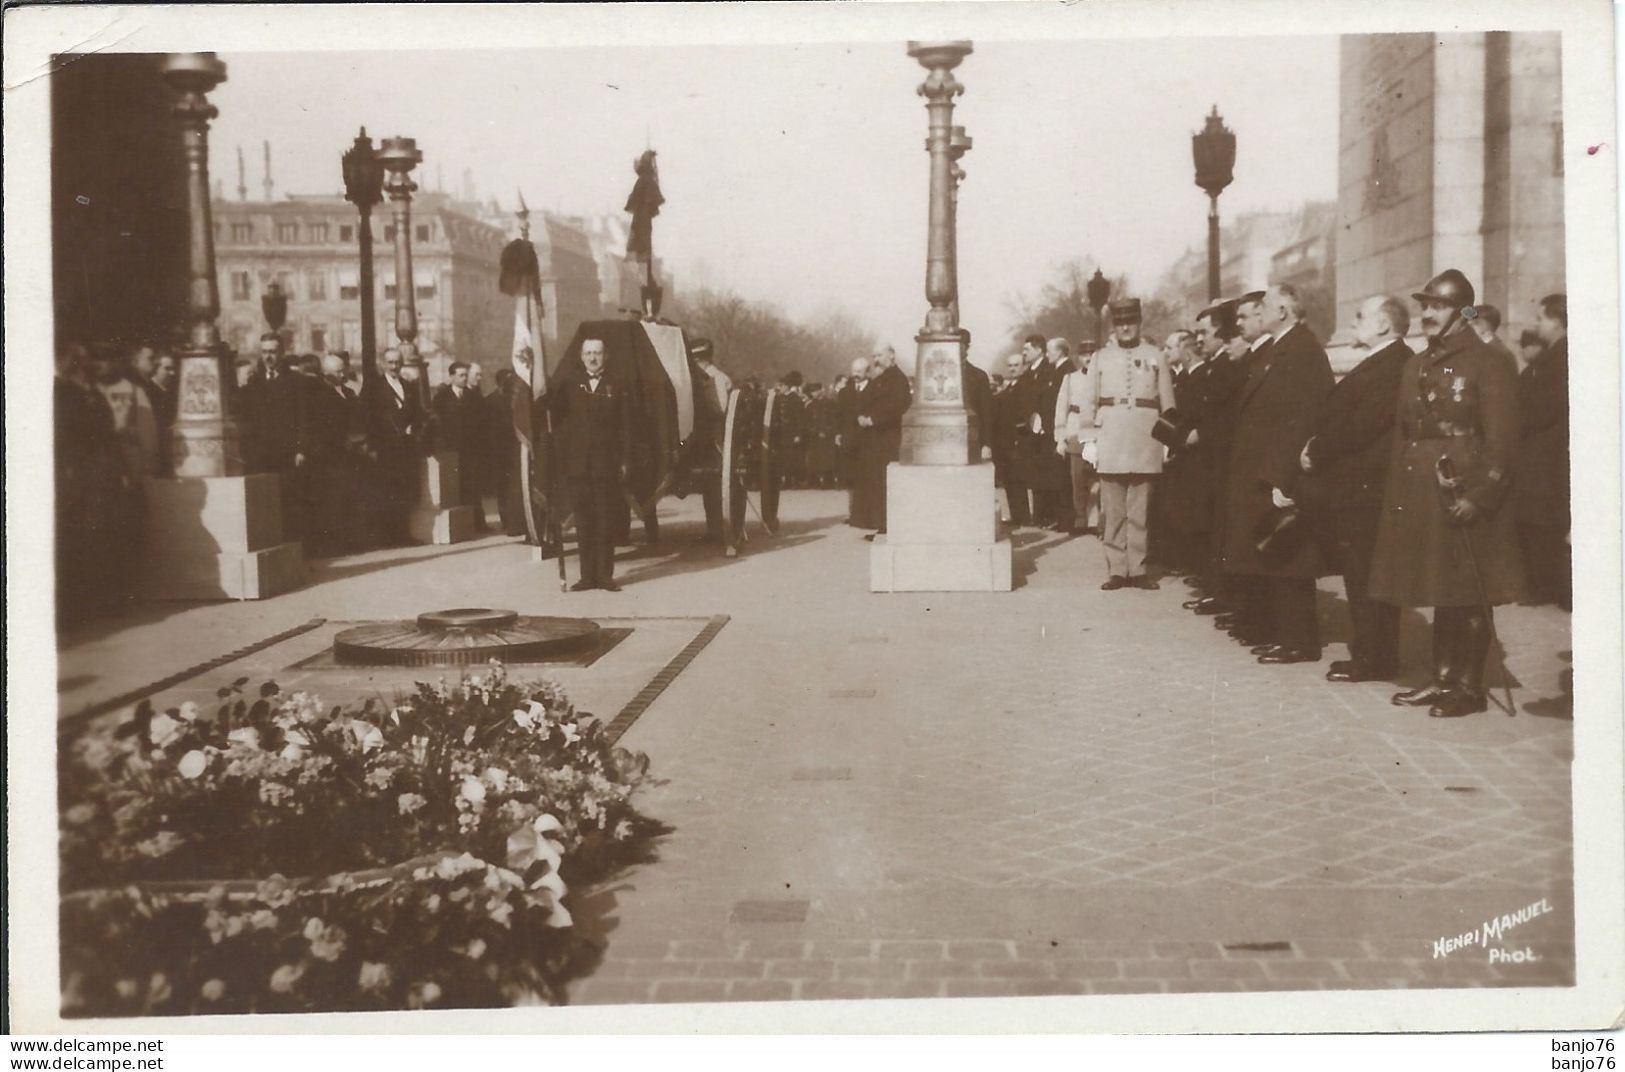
<point x="439" y="516"/>
<point x="942" y="532"/>
<point x="218" y="538"/>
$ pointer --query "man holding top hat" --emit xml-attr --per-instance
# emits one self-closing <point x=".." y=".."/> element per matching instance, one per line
<point x="1345" y="466"/>
<point x="1126" y="388"/>
<point x="1445" y="540"/>
<point x="1262" y="543"/>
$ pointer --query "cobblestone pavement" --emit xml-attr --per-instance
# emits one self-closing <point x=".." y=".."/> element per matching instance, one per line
<point x="1053" y="791"/>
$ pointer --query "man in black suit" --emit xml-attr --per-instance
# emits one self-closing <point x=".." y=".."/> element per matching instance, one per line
<point x="881" y="405"/>
<point x="1540" y="482"/>
<point x="457" y="414"/>
<point x="1345" y="463"/>
<point x="978" y="399"/>
<point x="1052" y="475"/>
<point x="329" y="422"/>
<point x="1010" y="438"/>
<point x="271" y="404"/>
<point x="394" y="422"/>
<point x="1288" y="381"/>
<point x="593" y="435"/>
<point x="1203" y="455"/>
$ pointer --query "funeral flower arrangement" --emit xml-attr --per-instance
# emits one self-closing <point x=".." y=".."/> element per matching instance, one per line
<point x="427" y="847"/>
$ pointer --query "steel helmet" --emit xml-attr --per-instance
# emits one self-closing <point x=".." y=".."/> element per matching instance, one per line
<point x="1450" y="288"/>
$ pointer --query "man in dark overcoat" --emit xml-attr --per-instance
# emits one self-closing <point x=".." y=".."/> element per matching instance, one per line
<point x="847" y="397"/>
<point x="592" y="421"/>
<point x="978" y="398"/>
<point x="1199" y="473"/>
<point x="1011" y="438"/>
<point x="1051" y="475"/>
<point x="1540" y="486"/>
<point x="881" y="406"/>
<point x="329" y="424"/>
<point x="1287" y="382"/>
<point x="1345" y="467"/>
<point x="394" y="415"/>
<point x="1445" y="541"/>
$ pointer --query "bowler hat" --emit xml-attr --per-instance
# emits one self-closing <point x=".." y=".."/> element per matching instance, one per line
<point x="1449" y="287"/>
<point x="1126" y="311"/>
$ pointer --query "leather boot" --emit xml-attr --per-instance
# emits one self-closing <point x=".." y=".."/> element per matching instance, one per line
<point x="1472" y="648"/>
<point x="1446" y="663"/>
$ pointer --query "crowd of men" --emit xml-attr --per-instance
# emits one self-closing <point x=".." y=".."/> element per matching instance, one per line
<point x="346" y="449"/>
<point x="1232" y="455"/>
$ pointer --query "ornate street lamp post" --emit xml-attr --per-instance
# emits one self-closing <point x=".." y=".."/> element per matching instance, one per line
<point x="399" y="156"/>
<point x="363" y="188"/>
<point x="1097" y="290"/>
<point x="936" y="428"/>
<point x="1215" y="152"/>
<point x="959" y="143"/>
<point x="205" y="436"/>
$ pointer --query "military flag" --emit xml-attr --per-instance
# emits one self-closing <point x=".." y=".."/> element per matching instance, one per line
<point x="520" y="279"/>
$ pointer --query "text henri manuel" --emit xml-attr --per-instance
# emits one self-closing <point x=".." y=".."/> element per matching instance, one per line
<point x="1488" y="935"/>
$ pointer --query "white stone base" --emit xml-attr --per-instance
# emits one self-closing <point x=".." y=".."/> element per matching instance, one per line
<point x="942" y="532"/>
<point x="430" y="524"/>
<point x="439" y="517"/>
<point x="218" y="538"/>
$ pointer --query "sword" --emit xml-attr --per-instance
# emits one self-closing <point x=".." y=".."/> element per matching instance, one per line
<point x="1447" y="476"/>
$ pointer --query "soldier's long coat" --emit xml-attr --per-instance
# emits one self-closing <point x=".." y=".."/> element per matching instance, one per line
<point x="1458" y="399"/>
<point x="1274" y="418"/>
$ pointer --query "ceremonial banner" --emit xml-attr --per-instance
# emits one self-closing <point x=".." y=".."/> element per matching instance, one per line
<point x="667" y="340"/>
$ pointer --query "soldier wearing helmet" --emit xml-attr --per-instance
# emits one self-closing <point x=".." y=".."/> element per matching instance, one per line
<point x="1444" y="540"/>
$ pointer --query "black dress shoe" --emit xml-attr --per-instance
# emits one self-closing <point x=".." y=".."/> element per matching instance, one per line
<point x="609" y="586"/>
<point x="1457" y="704"/>
<point x="1224" y="621"/>
<point x="1264" y="649"/>
<point x="1425" y="696"/>
<point x="1284" y="655"/>
<point x="1114" y="583"/>
<point x="1143" y="581"/>
<point x="583" y="586"/>
<point x="1349" y="670"/>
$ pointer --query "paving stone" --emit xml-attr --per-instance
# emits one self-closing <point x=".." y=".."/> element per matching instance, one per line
<point x="684" y="990"/>
<point x="760" y="990"/>
<point x="986" y="778"/>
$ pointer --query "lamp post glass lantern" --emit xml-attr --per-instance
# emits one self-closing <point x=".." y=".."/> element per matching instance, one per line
<point x="1098" y="291"/>
<point x="363" y="188"/>
<point x="1214" y="150"/>
<point x="399" y="156"/>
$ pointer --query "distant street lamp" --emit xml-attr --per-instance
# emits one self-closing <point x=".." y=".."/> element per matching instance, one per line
<point x="274" y="304"/>
<point x="1215" y="152"/>
<point x="363" y="188"/>
<point x="1097" y="290"/>
<point x="399" y="156"/>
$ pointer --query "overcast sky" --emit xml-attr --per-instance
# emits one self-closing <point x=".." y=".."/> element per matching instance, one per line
<point x="797" y="174"/>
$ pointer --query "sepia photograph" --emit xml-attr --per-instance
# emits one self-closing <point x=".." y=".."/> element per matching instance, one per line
<point x="817" y="511"/>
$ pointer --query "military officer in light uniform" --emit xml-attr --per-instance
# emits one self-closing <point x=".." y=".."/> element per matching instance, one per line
<point x="1126" y="389"/>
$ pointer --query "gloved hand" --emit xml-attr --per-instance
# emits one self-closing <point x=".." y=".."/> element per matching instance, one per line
<point x="1091" y="452"/>
<point x="1279" y="499"/>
